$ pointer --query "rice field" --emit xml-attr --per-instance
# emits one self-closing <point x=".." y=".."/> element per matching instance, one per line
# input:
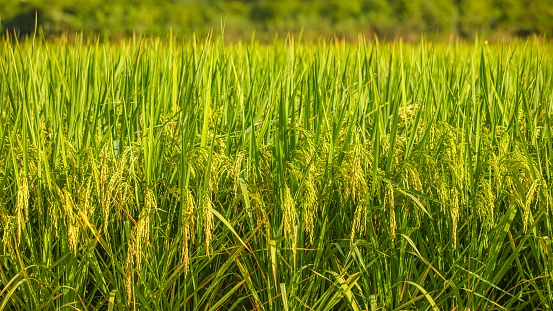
<point x="165" y="174"/>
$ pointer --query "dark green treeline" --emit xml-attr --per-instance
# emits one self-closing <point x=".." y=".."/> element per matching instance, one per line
<point x="386" y="18"/>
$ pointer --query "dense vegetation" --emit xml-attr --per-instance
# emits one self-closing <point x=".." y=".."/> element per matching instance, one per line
<point x="386" y="18"/>
<point x="160" y="175"/>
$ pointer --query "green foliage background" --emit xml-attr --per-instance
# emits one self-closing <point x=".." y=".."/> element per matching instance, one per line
<point x="386" y="18"/>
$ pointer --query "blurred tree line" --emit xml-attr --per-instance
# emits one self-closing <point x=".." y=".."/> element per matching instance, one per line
<point x="386" y="18"/>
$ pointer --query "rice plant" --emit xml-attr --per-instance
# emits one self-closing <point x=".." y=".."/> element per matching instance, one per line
<point x="165" y="174"/>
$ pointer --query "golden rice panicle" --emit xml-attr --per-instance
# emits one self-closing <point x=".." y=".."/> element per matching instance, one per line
<point x="94" y="165"/>
<point x="128" y="276"/>
<point x="261" y="194"/>
<point x="8" y="226"/>
<point x="309" y="204"/>
<point x="389" y="201"/>
<point x="411" y="178"/>
<point x="125" y="172"/>
<point x="86" y="208"/>
<point x="359" y="220"/>
<point x="139" y="239"/>
<point x="143" y="227"/>
<point x="187" y="225"/>
<point x="207" y="204"/>
<point x="457" y="200"/>
<point x="358" y="183"/>
<point x="486" y="203"/>
<point x="118" y="191"/>
<point x="304" y="171"/>
<point x="68" y="207"/>
<point x="218" y="167"/>
<point x="523" y="187"/>
<point x="443" y="193"/>
<point x="141" y="232"/>
<point x="22" y="204"/>
<point x="259" y="207"/>
<point x="290" y="216"/>
<point x="357" y="188"/>
<point x="105" y="195"/>
<point x="531" y="195"/>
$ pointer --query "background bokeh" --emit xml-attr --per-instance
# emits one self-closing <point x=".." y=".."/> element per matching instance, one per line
<point x="314" y="18"/>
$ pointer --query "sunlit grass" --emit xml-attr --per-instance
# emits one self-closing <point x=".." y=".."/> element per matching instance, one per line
<point x="162" y="175"/>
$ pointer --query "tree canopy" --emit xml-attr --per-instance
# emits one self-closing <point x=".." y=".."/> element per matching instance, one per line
<point x="386" y="18"/>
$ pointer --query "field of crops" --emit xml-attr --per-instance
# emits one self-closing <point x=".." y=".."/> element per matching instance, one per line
<point x="156" y="174"/>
